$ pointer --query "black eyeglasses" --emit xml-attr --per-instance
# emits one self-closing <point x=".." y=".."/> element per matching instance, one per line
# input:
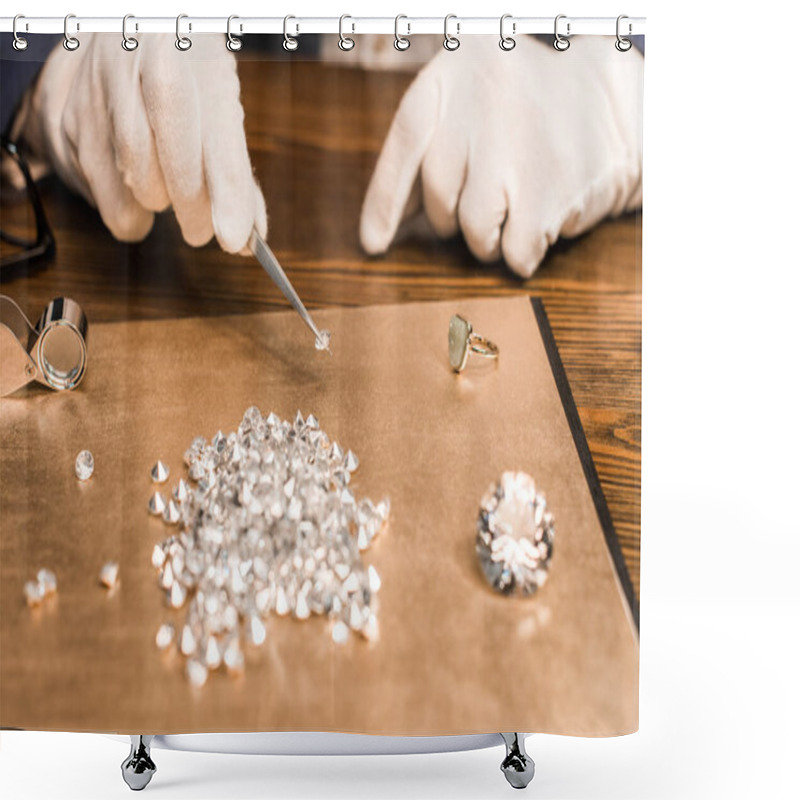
<point x="25" y="234"/>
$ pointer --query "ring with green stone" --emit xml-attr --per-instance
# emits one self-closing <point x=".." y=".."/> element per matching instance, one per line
<point x="461" y="339"/>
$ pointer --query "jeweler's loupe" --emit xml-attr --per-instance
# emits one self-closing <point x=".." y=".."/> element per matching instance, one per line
<point x="52" y="352"/>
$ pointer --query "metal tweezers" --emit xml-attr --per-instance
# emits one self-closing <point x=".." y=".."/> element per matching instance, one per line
<point x="261" y="250"/>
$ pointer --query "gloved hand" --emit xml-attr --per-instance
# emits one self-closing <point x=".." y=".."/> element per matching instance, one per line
<point x="513" y="148"/>
<point x="137" y="132"/>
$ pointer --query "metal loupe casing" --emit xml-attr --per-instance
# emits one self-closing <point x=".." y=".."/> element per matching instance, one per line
<point x="53" y="352"/>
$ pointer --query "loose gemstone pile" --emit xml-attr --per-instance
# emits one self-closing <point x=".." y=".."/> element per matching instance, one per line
<point x="270" y="526"/>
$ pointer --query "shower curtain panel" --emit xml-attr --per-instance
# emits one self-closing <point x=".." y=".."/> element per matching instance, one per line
<point x="412" y="512"/>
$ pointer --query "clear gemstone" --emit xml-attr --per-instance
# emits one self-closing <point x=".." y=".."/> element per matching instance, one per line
<point x="213" y="656"/>
<point x="301" y="609"/>
<point x="47" y="580"/>
<point x="196" y="673"/>
<point x="340" y="632"/>
<point x="197" y="471"/>
<point x="281" y="602"/>
<point x="323" y="341"/>
<point x="188" y="641"/>
<point x="234" y="658"/>
<point x="181" y="491"/>
<point x="177" y="594"/>
<point x="374" y="579"/>
<point x="109" y="574"/>
<point x="159" y="472"/>
<point x="171" y="513"/>
<point x="165" y="636"/>
<point x="515" y="535"/>
<point x="251" y="419"/>
<point x="34" y="593"/>
<point x="370" y="630"/>
<point x="458" y="341"/>
<point x="156" y="505"/>
<point x="84" y="465"/>
<point x="351" y="461"/>
<point x="273" y="420"/>
<point x="167" y="577"/>
<point x="257" y="631"/>
<point x="158" y="557"/>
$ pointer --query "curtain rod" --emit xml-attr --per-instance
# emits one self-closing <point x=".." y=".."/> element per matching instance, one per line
<point x="298" y="25"/>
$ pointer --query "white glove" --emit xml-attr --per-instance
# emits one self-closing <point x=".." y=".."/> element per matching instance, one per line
<point x="137" y="132"/>
<point x="513" y="148"/>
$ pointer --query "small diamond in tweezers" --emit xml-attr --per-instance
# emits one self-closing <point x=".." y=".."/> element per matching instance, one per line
<point x="160" y="472"/>
<point x="84" y="465"/>
<point x="323" y="341"/>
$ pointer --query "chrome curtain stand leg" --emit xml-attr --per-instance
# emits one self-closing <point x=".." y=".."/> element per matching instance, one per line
<point x="517" y="766"/>
<point x="138" y="768"/>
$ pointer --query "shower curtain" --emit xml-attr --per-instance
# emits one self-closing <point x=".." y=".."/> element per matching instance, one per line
<point x="420" y="517"/>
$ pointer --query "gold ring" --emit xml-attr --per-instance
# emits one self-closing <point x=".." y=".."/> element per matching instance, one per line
<point x="461" y="339"/>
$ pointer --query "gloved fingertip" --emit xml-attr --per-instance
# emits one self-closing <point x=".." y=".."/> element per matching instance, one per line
<point x="132" y="225"/>
<point x="233" y="232"/>
<point x="524" y="261"/>
<point x="375" y="239"/>
<point x="525" y="270"/>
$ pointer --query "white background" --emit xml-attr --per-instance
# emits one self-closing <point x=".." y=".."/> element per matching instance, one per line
<point x="720" y="696"/>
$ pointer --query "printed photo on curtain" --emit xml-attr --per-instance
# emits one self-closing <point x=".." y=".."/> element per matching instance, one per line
<point x="320" y="380"/>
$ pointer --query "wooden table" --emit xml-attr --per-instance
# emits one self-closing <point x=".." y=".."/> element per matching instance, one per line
<point x="314" y="135"/>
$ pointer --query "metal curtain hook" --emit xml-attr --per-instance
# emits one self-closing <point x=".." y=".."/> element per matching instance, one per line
<point x="560" y="43"/>
<point x="400" y="42"/>
<point x="129" y="43"/>
<point x="233" y="44"/>
<point x="622" y="44"/>
<point x="19" y="42"/>
<point x="183" y="43"/>
<point x="507" y="42"/>
<point x="289" y="42"/>
<point x="345" y="42"/>
<point x="70" y="43"/>
<point x="451" y="42"/>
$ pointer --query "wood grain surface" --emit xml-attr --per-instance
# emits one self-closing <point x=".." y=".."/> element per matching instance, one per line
<point x="314" y="134"/>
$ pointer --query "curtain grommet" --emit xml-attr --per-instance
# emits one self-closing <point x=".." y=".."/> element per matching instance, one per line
<point x="561" y="43"/>
<point x="507" y="43"/>
<point x="183" y="43"/>
<point x="451" y="43"/>
<point x="20" y="43"/>
<point x="129" y="43"/>
<point x="401" y="43"/>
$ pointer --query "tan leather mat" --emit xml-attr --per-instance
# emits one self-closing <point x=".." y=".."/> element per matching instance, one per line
<point x="453" y="657"/>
